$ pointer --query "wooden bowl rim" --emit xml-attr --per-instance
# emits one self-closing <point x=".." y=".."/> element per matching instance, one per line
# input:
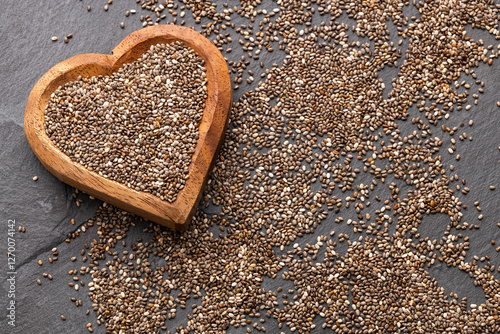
<point x="178" y="213"/>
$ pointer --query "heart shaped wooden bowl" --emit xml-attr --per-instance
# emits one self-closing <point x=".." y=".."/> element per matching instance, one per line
<point x="211" y="130"/>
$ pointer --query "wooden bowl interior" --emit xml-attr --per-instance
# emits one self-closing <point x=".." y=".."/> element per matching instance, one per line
<point x="211" y="129"/>
<point x="100" y="68"/>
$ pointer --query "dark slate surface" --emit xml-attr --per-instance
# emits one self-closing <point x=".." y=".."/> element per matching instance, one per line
<point x="46" y="207"/>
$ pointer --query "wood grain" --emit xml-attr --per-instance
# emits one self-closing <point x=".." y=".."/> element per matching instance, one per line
<point x="213" y="125"/>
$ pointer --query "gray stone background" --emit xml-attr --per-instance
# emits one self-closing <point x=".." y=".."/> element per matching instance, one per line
<point x="46" y="207"/>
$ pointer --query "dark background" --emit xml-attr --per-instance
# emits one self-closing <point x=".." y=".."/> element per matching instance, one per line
<point x="47" y="206"/>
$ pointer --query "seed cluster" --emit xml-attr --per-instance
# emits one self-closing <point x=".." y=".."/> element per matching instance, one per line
<point x="318" y="141"/>
<point x="138" y="126"/>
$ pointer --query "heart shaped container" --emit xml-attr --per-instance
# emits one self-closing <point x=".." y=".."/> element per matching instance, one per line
<point x="213" y="125"/>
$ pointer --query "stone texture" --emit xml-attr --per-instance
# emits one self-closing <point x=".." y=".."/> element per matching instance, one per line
<point x="46" y="207"/>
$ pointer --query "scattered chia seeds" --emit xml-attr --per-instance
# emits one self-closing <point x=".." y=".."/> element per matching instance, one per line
<point x="297" y="144"/>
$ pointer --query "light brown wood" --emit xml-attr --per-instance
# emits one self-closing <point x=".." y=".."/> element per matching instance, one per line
<point x="212" y="128"/>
